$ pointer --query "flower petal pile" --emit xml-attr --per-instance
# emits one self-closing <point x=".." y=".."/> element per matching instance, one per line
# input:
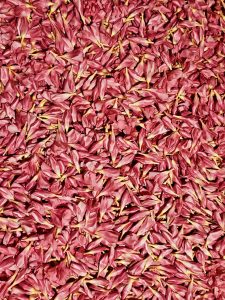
<point x="112" y="149"/>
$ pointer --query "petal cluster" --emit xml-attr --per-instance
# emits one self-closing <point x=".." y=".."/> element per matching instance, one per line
<point x="112" y="149"/>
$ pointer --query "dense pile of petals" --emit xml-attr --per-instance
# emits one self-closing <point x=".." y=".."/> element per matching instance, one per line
<point x="112" y="149"/>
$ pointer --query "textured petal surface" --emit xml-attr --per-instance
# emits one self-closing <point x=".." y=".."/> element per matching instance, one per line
<point x="112" y="149"/>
